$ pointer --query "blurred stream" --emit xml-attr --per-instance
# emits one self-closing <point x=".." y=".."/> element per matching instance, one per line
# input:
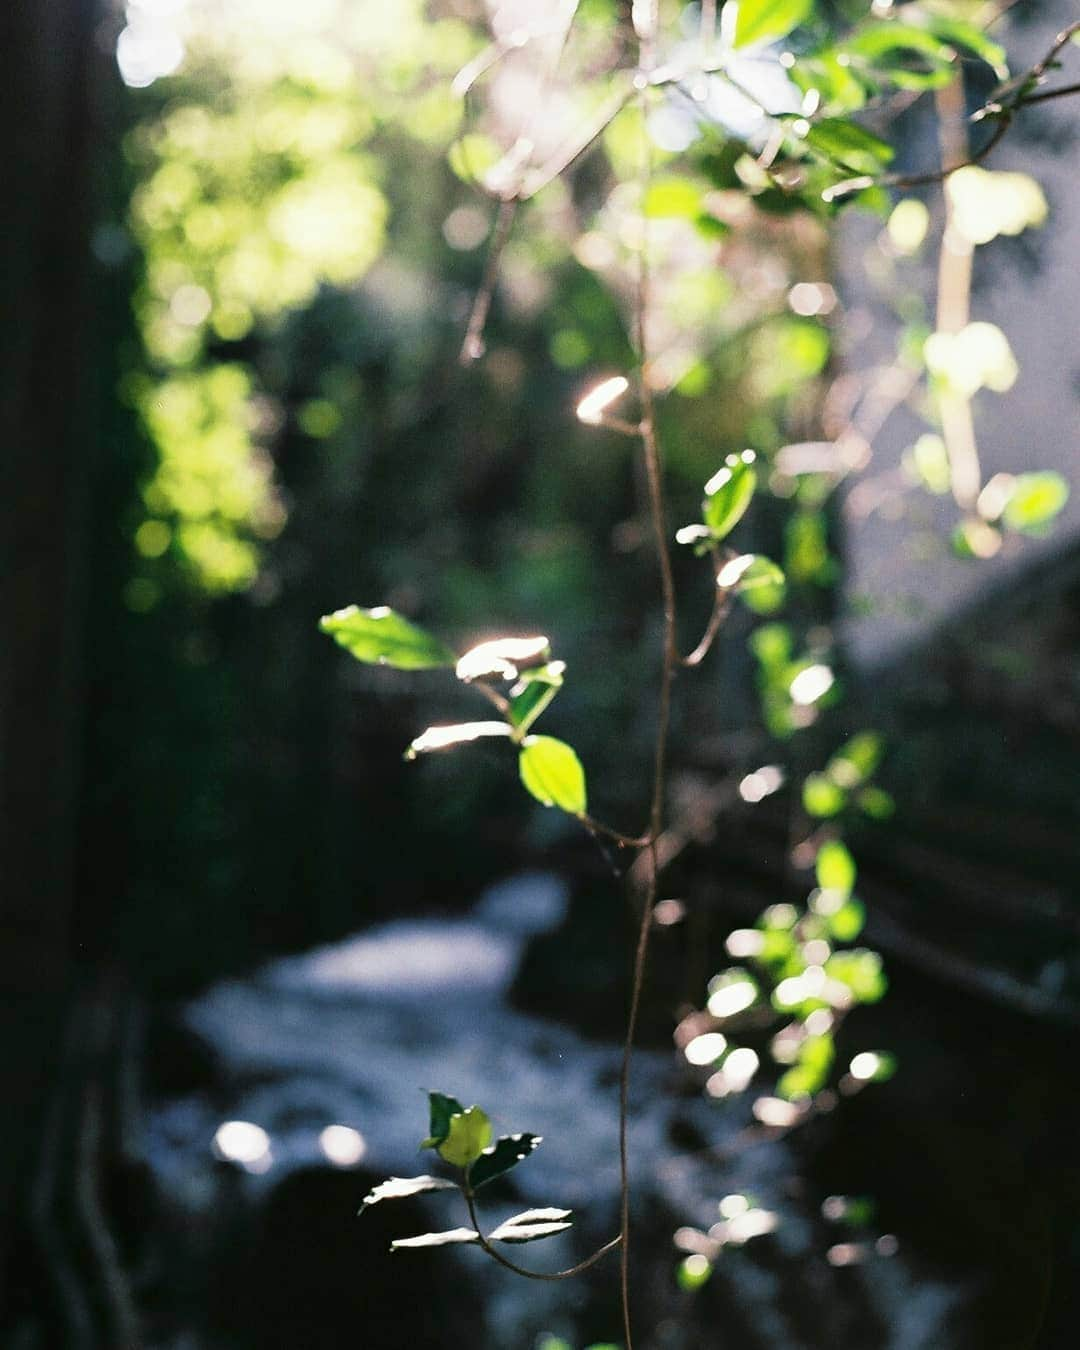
<point x="319" y="1067"/>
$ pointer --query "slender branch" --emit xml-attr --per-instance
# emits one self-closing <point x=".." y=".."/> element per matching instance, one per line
<point x="472" y="346"/>
<point x="720" y="610"/>
<point x="954" y="310"/>
<point x="645" y="16"/>
<point x="1003" y="110"/>
<point x="550" y="1276"/>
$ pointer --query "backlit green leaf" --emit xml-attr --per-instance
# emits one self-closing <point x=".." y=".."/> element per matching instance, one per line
<point x="552" y="772"/>
<point x="749" y="572"/>
<point x="822" y="798"/>
<point x="533" y="692"/>
<point x="1035" y="500"/>
<point x="835" y="867"/>
<point x="672" y="196"/>
<point x="728" y="494"/>
<point x="901" y="54"/>
<point x="400" y="1188"/>
<point x="968" y="38"/>
<point x="504" y="1154"/>
<point x="861" y="971"/>
<point x="767" y="20"/>
<point x="846" y="143"/>
<point x="382" y="637"/>
<point x="467" y="1136"/>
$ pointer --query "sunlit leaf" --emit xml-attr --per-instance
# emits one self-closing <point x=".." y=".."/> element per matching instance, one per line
<point x="460" y="733"/>
<point x="821" y="797"/>
<point x="728" y="494"/>
<point x="504" y="1154"/>
<point x="835" y="867"/>
<point x="693" y="1272"/>
<point x="968" y="37"/>
<point x="846" y="143"/>
<point x="441" y="1109"/>
<point x="533" y="692"/>
<point x="532" y="1225"/>
<point x="749" y="572"/>
<point x="861" y="971"/>
<point x="856" y="759"/>
<point x="767" y="20"/>
<point x="382" y="637"/>
<point x="502" y="658"/>
<point x="671" y="196"/>
<point x="467" y="1136"/>
<point x="453" y="1235"/>
<point x="400" y="1188"/>
<point x="873" y="1066"/>
<point x="901" y="54"/>
<point x="1035" y="500"/>
<point x="552" y="772"/>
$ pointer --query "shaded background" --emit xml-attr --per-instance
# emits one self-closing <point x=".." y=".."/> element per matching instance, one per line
<point x="237" y="279"/>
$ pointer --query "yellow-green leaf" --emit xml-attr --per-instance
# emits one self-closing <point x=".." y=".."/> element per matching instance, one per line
<point x="468" y="1135"/>
<point x="552" y="772"/>
<point x="382" y="637"/>
<point x="767" y="20"/>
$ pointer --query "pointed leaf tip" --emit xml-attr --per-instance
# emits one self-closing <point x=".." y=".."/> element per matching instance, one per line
<point x="504" y="1154"/>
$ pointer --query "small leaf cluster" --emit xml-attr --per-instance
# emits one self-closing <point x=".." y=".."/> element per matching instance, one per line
<point x="549" y="768"/>
<point x="757" y="580"/>
<point x="801" y="971"/>
<point x="462" y="1137"/>
<point x="824" y="156"/>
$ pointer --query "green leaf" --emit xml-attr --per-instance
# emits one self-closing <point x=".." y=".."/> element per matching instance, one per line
<point x="847" y="922"/>
<point x="850" y="145"/>
<point x="441" y="1108"/>
<point x="400" y="1188"/>
<point x="966" y="36"/>
<point x="861" y="971"/>
<point x="835" y="868"/>
<point x="552" y="772"/>
<point x="533" y="692"/>
<point x="504" y="1154"/>
<point x="767" y="20"/>
<point x="749" y="572"/>
<point x="459" y="733"/>
<point x="856" y="760"/>
<point x="468" y="1135"/>
<point x="436" y="1239"/>
<point x="382" y="637"/>
<point x="1035" y="500"/>
<point x="502" y="658"/>
<point x="672" y="196"/>
<point x="822" y="798"/>
<point x="532" y="1225"/>
<point x="728" y="494"/>
<point x="902" y="55"/>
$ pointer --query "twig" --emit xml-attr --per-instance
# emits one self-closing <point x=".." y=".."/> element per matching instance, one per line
<point x="1003" y="111"/>
<point x="645" y="23"/>
<point x="550" y="1276"/>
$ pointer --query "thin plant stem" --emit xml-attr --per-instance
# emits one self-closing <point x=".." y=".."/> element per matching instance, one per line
<point x="550" y="1276"/>
<point x="954" y="309"/>
<point x="654" y="476"/>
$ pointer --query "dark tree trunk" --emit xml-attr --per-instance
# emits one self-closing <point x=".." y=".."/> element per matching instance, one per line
<point x="48" y="58"/>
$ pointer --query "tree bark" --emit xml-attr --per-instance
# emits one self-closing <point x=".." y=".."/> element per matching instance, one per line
<point x="48" y="57"/>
